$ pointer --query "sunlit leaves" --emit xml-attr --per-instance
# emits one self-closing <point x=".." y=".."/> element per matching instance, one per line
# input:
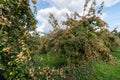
<point x="16" y="21"/>
<point x="84" y="41"/>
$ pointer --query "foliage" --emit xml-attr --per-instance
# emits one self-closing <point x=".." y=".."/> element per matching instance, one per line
<point x="115" y="32"/>
<point x="84" y="41"/>
<point x="109" y="39"/>
<point x="109" y="71"/>
<point x="75" y="41"/>
<point x="46" y="73"/>
<point x="16" y="21"/>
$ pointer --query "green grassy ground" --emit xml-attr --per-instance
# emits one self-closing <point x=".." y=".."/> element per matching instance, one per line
<point x="102" y="71"/>
<point x="51" y="60"/>
<point x="105" y="71"/>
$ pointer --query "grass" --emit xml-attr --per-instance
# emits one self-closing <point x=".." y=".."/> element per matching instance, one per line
<point x="51" y="60"/>
<point x="102" y="70"/>
<point x="105" y="71"/>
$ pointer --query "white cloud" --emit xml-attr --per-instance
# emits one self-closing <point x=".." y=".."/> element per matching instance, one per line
<point x="104" y="15"/>
<point x="72" y="5"/>
<point x="43" y="17"/>
<point x="61" y="7"/>
<point x="77" y="4"/>
<point x="108" y="3"/>
<point x="116" y="25"/>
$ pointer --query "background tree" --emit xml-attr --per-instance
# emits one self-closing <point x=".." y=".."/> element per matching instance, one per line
<point x="84" y="42"/>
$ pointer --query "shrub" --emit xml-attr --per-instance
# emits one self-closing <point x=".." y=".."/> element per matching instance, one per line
<point x="84" y="42"/>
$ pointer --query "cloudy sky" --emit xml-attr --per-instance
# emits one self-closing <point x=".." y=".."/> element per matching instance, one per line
<point x="111" y="11"/>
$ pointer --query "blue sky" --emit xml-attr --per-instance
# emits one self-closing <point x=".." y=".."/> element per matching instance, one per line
<point x="111" y="11"/>
<point x="113" y="15"/>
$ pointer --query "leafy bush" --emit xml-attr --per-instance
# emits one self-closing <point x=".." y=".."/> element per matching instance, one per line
<point x="16" y="20"/>
<point x="83" y="42"/>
